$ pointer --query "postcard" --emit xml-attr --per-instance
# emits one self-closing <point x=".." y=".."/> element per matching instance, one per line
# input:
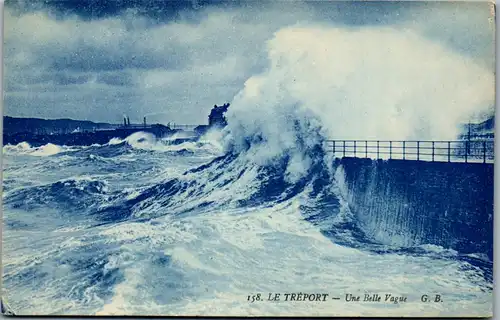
<point x="248" y="158"/>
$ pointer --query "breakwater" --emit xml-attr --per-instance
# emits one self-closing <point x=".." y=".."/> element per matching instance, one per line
<point x="407" y="203"/>
<point x="85" y="138"/>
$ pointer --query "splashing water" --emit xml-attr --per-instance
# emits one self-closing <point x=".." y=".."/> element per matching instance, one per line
<point x="362" y="83"/>
<point x="151" y="232"/>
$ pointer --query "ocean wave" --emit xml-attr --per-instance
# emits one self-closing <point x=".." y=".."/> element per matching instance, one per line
<point x="70" y="194"/>
<point x="265" y="211"/>
<point x="149" y="142"/>
<point x="24" y="148"/>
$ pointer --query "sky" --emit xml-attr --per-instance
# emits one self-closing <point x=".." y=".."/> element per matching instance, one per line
<point x="173" y="60"/>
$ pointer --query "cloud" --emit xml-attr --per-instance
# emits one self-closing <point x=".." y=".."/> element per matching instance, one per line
<point x="178" y="59"/>
<point x="466" y="27"/>
<point x="95" y="9"/>
<point x="90" y="46"/>
<point x="188" y="65"/>
<point x="116" y="78"/>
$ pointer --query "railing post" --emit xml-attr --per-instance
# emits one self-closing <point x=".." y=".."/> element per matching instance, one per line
<point x="484" y="151"/>
<point x="333" y="148"/>
<point x="418" y="150"/>
<point x="378" y="151"/>
<point x="404" y="150"/>
<point x="466" y="150"/>
<point x="390" y="149"/>
<point x="354" y="148"/>
<point x="366" y="149"/>
<point x="343" y="151"/>
<point x="432" y="151"/>
<point x="449" y="151"/>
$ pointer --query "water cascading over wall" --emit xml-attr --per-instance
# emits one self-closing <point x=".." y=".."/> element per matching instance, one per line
<point x="407" y="203"/>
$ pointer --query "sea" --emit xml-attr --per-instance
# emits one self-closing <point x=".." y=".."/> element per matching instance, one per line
<point x="148" y="226"/>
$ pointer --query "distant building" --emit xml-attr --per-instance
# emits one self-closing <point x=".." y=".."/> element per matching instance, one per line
<point x="216" y="117"/>
<point x="478" y="131"/>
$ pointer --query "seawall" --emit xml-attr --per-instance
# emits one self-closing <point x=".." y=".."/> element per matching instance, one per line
<point x="83" y="138"/>
<point x="409" y="203"/>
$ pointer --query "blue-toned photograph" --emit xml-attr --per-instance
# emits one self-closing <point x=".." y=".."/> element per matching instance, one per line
<point x="248" y="158"/>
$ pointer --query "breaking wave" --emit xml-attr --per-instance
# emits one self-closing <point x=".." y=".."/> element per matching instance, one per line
<point x="186" y="226"/>
<point x="24" y="148"/>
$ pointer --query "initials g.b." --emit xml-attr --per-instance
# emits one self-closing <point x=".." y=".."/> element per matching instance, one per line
<point x="427" y="298"/>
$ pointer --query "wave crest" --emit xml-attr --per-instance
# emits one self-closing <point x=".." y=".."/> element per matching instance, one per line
<point x="24" y="148"/>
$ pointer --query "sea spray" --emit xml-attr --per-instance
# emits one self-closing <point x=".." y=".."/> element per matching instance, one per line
<point x="359" y="84"/>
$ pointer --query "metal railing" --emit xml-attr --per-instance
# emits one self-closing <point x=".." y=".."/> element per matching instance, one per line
<point x="481" y="151"/>
<point x="187" y="127"/>
<point x="135" y="126"/>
